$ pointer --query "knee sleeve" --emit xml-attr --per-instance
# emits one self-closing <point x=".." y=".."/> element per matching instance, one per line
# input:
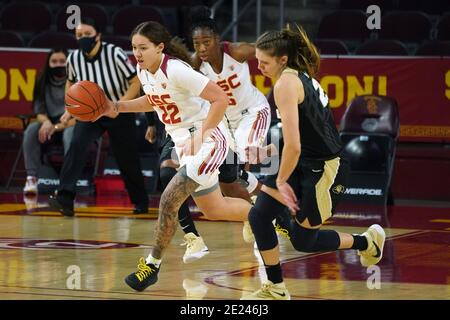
<point x="260" y="217"/>
<point x="313" y="240"/>
<point x="166" y="174"/>
<point x="328" y="240"/>
<point x="303" y="239"/>
<point x="263" y="230"/>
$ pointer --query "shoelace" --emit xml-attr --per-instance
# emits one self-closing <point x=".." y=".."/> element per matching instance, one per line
<point x="266" y="287"/>
<point x="282" y="231"/>
<point x="267" y="291"/>
<point x="144" y="270"/>
<point x="189" y="242"/>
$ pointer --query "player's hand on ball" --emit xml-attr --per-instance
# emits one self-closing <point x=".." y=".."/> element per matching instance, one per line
<point x="65" y="118"/>
<point x="111" y="110"/>
<point x="85" y="101"/>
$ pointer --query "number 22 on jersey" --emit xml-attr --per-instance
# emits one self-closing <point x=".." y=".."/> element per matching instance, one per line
<point x="169" y="108"/>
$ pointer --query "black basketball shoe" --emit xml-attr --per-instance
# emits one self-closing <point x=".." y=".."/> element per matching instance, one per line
<point x="62" y="203"/>
<point x="146" y="275"/>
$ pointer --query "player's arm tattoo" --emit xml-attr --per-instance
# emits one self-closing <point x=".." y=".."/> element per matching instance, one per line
<point x="176" y="192"/>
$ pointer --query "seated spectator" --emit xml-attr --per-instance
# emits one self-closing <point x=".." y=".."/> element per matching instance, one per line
<point x="48" y="105"/>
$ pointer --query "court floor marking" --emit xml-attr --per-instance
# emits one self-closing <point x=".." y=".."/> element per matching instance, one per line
<point x="132" y="294"/>
<point x="211" y="279"/>
<point x="58" y="295"/>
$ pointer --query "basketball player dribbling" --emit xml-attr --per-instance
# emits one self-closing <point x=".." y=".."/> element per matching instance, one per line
<point x="191" y="107"/>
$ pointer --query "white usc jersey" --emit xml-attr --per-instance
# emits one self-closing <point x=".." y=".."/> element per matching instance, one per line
<point x="235" y="80"/>
<point x="173" y="91"/>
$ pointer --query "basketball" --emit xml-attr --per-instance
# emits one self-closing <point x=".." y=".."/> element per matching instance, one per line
<point x="85" y="100"/>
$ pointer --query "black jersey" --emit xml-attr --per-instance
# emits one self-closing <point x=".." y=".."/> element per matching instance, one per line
<point x="318" y="134"/>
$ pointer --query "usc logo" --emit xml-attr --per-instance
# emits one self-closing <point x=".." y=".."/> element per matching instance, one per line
<point x="372" y="107"/>
<point x="169" y="108"/>
<point x="227" y="85"/>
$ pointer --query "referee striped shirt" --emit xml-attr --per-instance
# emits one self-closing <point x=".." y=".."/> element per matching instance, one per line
<point x="109" y="68"/>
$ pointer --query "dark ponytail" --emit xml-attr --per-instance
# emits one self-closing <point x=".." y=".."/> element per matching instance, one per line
<point x="178" y="49"/>
<point x="157" y="34"/>
<point x="301" y="52"/>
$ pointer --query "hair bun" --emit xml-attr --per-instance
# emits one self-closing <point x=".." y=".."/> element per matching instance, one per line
<point x="200" y="13"/>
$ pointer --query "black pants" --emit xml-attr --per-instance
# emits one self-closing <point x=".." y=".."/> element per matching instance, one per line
<point x="122" y="134"/>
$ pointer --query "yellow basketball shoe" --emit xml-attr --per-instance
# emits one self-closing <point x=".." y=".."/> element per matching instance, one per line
<point x="195" y="248"/>
<point x="270" y="291"/>
<point x="375" y="242"/>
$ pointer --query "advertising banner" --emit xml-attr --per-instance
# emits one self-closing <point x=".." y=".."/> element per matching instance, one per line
<point x="420" y="85"/>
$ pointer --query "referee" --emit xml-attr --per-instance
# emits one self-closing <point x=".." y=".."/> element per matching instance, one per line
<point x="109" y="67"/>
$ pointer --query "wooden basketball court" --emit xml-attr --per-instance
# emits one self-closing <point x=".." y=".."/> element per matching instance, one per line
<point x="46" y="256"/>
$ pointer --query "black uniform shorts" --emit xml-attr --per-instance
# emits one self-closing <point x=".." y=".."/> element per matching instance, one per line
<point x="318" y="185"/>
<point x="167" y="150"/>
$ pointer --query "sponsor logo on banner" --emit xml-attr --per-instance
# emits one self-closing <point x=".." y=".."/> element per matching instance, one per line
<point x="55" y="182"/>
<point x="364" y="192"/>
<point x="342" y="79"/>
<point x="116" y="172"/>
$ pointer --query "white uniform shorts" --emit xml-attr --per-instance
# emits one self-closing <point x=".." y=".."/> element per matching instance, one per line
<point x="203" y="167"/>
<point x="249" y="130"/>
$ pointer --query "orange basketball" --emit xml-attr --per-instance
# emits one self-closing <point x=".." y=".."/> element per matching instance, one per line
<point x="85" y="100"/>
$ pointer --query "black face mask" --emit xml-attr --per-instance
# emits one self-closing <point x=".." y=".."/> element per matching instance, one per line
<point x="58" y="72"/>
<point x="86" y="44"/>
